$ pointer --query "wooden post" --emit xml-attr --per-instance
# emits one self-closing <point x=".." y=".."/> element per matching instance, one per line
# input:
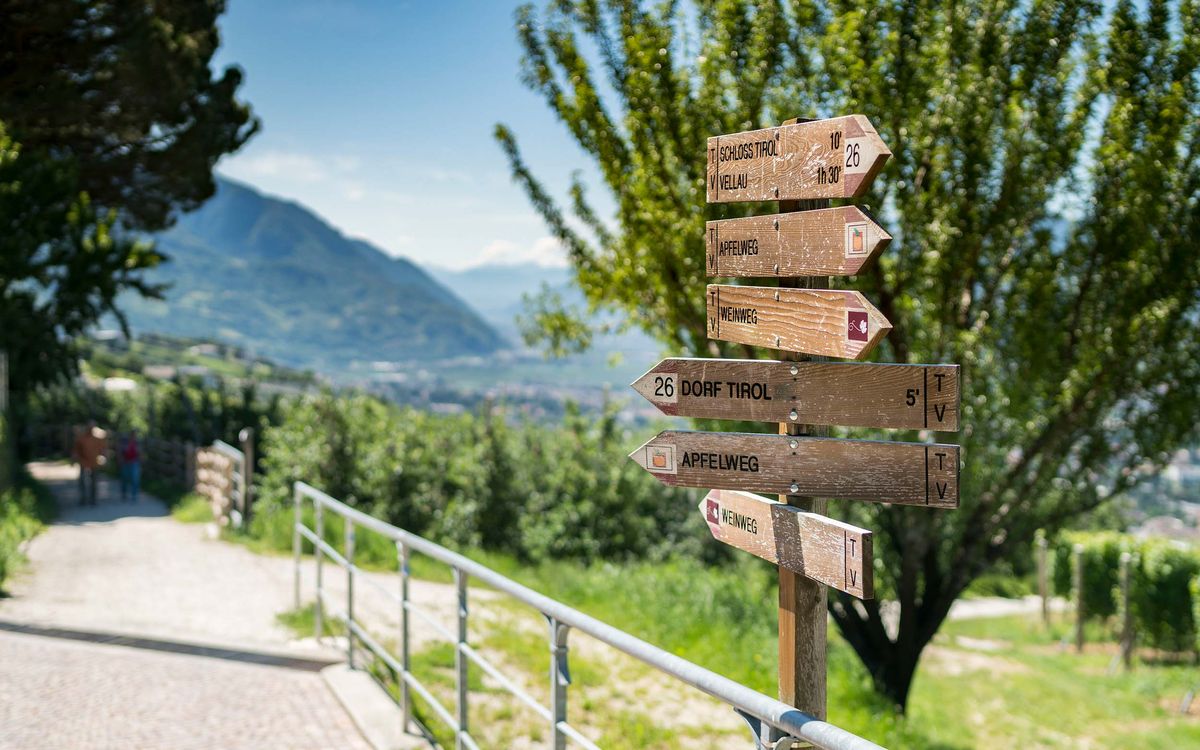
<point x="189" y="465"/>
<point x="246" y="438"/>
<point x="1126" y="613"/>
<point x="803" y="619"/>
<point x="1043" y="577"/>
<point x="1077" y="554"/>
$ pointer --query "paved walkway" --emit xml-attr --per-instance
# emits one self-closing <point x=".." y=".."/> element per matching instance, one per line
<point x="132" y="630"/>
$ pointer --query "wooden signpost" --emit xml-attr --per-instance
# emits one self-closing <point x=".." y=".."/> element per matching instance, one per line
<point x="835" y="158"/>
<point x="913" y="397"/>
<point x="801" y="164"/>
<point x="827" y="322"/>
<point x="873" y="470"/>
<point x="834" y="553"/>
<point x="824" y="242"/>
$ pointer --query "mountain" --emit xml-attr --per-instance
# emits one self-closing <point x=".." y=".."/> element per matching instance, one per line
<point x="497" y="291"/>
<point x="272" y="277"/>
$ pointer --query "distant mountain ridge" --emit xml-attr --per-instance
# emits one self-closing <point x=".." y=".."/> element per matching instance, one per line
<point x="270" y="275"/>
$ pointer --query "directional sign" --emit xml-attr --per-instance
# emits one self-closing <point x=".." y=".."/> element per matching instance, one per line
<point x="834" y="553"/>
<point x="835" y="158"/>
<point x="825" y="242"/>
<point x="882" y="472"/>
<point x="914" y="397"/>
<point x="828" y="322"/>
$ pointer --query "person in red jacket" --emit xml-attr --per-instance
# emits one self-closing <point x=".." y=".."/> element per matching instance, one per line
<point x="131" y="467"/>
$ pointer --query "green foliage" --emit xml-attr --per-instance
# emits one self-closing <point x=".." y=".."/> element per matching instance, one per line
<point x="1162" y="584"/>
<point x="192" y="508"/>
<point x="20" y="520"/>
<point x="1101" y="563"/>
<point x="181" y="409"/>
<point x="1042" y="196"/>
<point x="1195" y="589"/>
<point x="477" y="480"/>
<point x="119" y="122"/>
<point x="1163" y="598"/>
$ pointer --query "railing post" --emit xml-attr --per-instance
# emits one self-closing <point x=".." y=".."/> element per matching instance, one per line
<point x="318" y="614"/>
<point x="349" y="590"/>
<point x="296" y="548"/>
<point x="405" y="699"/>
<point x="460" y="660"/>
<point x="560" y="678"/>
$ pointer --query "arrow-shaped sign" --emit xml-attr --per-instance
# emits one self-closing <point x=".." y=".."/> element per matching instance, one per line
<point x="825" y="242"/>
<point x="834" y="553"/>
<point x="882" y="472"/>
<point x="834" y="393"/>
<point x="826" y="322"/>
<point x="835" y="158"/>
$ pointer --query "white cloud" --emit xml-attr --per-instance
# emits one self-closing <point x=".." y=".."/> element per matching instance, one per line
<point x="287" y="165"/>
<point x="547" y="252"/>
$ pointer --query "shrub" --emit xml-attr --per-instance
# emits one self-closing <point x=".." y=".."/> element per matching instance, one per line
<point x="18" y="522"/>
<point x="1164" y="593"/>
<point x="1101" y="565"/>
<point x="1162" y="596"/>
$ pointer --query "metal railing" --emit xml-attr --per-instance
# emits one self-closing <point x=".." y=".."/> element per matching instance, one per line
<point x="762" y="713"/>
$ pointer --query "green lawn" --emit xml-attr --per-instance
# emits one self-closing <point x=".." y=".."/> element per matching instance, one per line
<point x="984" y="683"/>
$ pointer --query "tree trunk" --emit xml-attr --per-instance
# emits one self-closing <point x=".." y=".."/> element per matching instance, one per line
<point x="892" y="664"/>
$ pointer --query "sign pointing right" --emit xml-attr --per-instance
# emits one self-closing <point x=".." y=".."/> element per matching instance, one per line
<point x="834" y="158"/>
<point x="823" y="242"/>
<point x="826" y="322"/>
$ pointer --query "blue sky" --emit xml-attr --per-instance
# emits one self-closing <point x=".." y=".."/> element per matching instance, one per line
<point x="378" y="115"/>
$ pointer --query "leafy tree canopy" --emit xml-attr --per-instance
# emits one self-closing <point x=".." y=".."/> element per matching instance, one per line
<point x="111" y="122"/>
<point x="1043" y="198"/>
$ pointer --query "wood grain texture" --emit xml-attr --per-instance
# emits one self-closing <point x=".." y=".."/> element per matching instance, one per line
<point x="849" y="394"/>
<point x="876" y="471"/>
<point x="834" y="553"/>
<point x="825" y="242"/>
<point x="826" y="322"/>
<point x="835" y="158"/>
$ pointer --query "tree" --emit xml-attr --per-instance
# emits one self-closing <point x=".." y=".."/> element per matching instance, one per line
<point x="111" y="123"/>
<point x="1043" y="196"/>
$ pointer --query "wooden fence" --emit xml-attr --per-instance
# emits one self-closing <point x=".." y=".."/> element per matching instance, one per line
<point x="221" y="477"/>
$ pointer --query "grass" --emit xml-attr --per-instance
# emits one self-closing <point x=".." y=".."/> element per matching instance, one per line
<point x="25" y="509"/>
<point x="983" y="683"/>
<point x="302" y="622"/>
<point x="193" y="508"/>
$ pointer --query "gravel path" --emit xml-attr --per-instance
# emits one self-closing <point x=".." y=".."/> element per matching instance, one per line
<point x="130" y="574"/>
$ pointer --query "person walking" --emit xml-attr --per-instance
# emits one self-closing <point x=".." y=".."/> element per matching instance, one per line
<point x="88" y="452"/>
<point x="131" y="467"/>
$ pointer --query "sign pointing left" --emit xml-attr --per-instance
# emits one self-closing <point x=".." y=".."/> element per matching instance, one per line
<point x="832" y="552"/>
<point x="876" y="471"/>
